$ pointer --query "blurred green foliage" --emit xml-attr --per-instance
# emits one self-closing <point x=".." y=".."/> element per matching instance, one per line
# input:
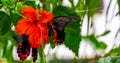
<point x="110" y="59"/>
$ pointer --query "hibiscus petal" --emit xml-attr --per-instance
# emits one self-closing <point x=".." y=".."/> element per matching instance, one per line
<point x="24" y="26"/>
<point x="30" y="12"/>
<point x="45" y="16"/>
<point x="34" y="38"/>
<point x="44" y="32"/>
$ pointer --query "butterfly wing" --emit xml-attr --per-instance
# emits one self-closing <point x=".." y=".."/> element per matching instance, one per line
<point x="21" y="38"/>
<point x="49" y="29"/>
<point x="58" y="26"/>
<point x="60" y="22"/>
<point x="23" y="49"/>
<point x="34" y="54"/>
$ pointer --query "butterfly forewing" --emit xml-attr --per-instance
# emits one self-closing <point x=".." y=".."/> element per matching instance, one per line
<point x="21" y="38"/>
<point x="59" y="23"/>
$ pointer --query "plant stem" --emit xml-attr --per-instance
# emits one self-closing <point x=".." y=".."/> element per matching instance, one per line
<point x="42" y="56"/>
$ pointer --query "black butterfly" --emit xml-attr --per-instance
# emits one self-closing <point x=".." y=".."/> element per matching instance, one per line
<point x="23" y="49"/>
<point x="58" y="26"/>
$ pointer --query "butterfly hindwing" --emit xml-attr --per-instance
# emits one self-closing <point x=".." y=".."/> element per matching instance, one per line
<point x="58" y="37"/>
<point x="49" y="29"/>
<point x="34" y="54"/>
<point x="23" y="50"/>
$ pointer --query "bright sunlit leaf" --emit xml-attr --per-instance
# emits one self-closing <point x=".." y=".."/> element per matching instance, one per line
<point x="8" y="3"/>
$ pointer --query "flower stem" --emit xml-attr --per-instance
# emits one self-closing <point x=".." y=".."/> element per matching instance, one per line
<point x="42" y="56"/>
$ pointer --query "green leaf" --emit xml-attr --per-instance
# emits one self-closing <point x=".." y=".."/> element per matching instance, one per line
<point x="3" y="41"/>
<point x="116" y="59"/>
<point x="65" y="11"/>
<point x="105" y="33"/>
<point x="10" y="35"/>
<point x="4" y="49"/>
<point x="6" y="44"/>
<point x="73" y="37"/>
<point x="102" y="45"/>
<point x="118" y="1"/>
<point x="51" y="42"/>
<point x="109" y="59"/>
<point x="93" y="6"/>
<point x="46" y="6"/>
<point x="31" y="3"/>
<point x="42" y="1"/>
<point x="0" y="2"/>
<point x="115" y="51"/>
<point x="5" y="23"/>
<point x="18" y="7"/>
<point x="72" y="2"/>
<point x="94" y="42"/>
<point x="81" y="7"/>
<point x="26" y="61"/>
<point x="8" y="3"/>
<point x="41" y="54"/>
<point x="101" y="60"/>
<point x="14" y="17"/>
<point x="54" y="1"/>
<point x="1" y="6"/>
<point x="1" y="44"/>
<point x="7" y="52"/>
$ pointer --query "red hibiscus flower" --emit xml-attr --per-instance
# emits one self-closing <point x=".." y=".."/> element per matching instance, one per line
<point x="34" y="26"/>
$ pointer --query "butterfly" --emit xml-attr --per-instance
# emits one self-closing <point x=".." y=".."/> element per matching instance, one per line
<point x="56" y="29"/>
<point x="23" y="49"/>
